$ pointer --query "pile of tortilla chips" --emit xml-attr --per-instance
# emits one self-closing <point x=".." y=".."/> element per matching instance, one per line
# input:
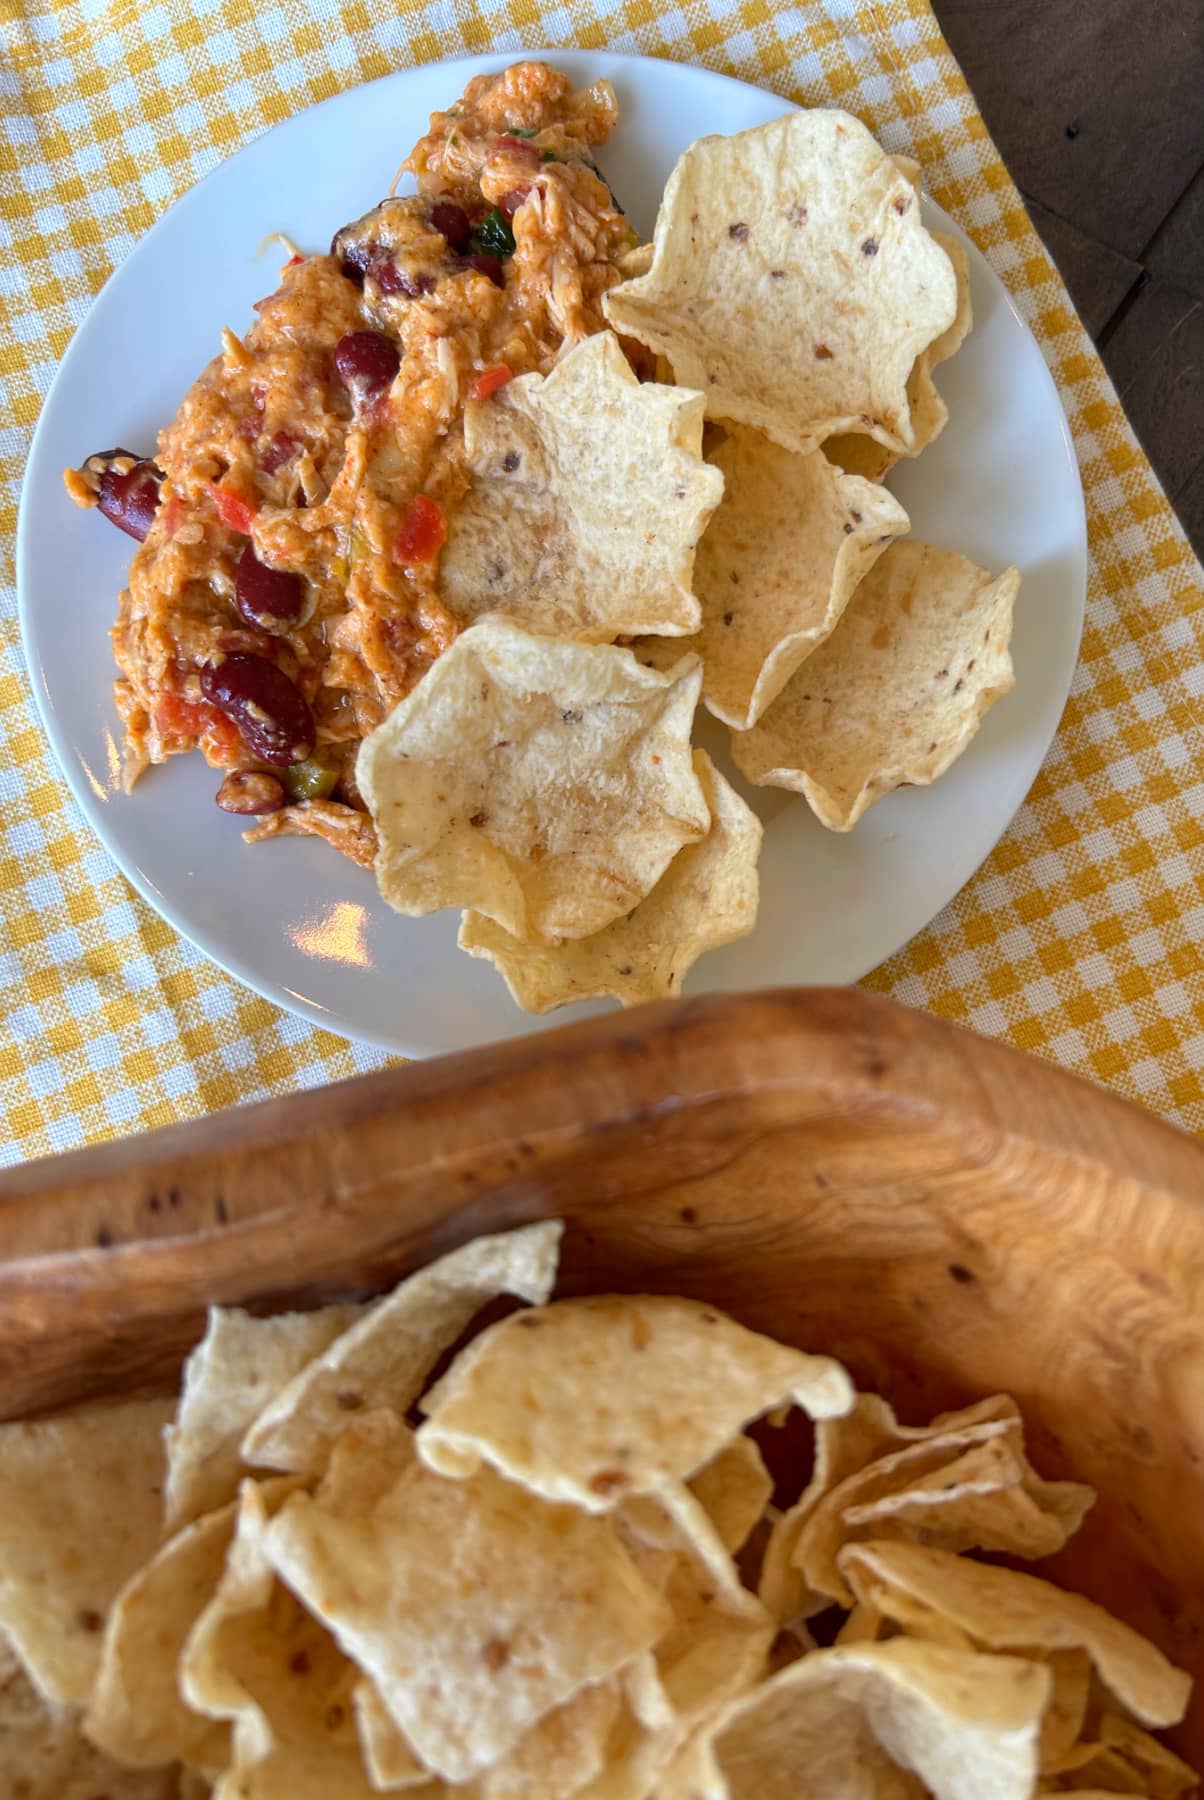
<point x="558" y="1567"/>
<point x="614" y="567"/>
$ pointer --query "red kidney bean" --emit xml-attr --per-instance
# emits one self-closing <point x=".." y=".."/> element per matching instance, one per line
<point x="392" y="280"/>
<point x="264" y="705"/>
<point x="354" y="253"/>
<point x="453" y="223"/>
<point x="281" y="450"/>
<point x="250" y="791"/>
<point x="366" y="361"/>
<point x="128" y="501"/>
<point x="267" y="597"/>
<point x="484" y="264"/>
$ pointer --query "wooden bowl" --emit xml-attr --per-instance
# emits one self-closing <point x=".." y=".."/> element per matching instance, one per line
<point x="947" y="1216"/>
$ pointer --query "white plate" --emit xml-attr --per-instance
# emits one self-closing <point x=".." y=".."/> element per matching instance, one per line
<point x="304" y="926"/>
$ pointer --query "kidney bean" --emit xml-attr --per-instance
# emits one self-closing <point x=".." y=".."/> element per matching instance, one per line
<point x="128" y="500"/>
<point x="281" y="450"/>
<point x="366" y="361"/>
<point x="392" y="280"/>
<point x="264" y="705"/>
<point x="250" y="791"/>
<point x="267" y="597"/>
<point x="453" y="222"/>
<point x="484" y="264"/>
<point x="354" y="253"/>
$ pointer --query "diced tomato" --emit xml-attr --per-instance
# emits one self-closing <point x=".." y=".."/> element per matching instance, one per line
<point x="294" y="261"/>
<point x="490" y="380"/>
<point x="510" y="203"/>
<point x="186" y="722"/>
<point x="233" y="509"/>
<point x="423" y="533"/>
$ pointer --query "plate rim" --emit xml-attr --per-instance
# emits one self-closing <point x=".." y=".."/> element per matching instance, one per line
<point x="71" y="765"/>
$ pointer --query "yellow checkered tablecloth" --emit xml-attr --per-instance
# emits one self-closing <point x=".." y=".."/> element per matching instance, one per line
<point x="1081" y="939"/>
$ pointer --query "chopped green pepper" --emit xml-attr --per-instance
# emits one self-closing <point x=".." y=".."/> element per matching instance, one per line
<point x="520" y="131"/>
<point x="312" y="779"/>
<point x="548" y="156"/>
<point x="493" y="235"/>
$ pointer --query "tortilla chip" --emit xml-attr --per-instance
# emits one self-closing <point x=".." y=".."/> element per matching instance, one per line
<point x="707" y="896"/>
<point x="1124" y="1759"/>
<point x="896" y="1719"/>
<point x="847" y="1444"/>
<point x="1070" y="1672"/>
<point x="386" y="1356"/>
<point x="388" y="1754"/>
<point x="474" y="1606"/>
<point x="136" y="1712"/>
<point x="80" y="1505"/>
<point x="954" y="1496"/>
<point x="734" y="1489"/>
<point x="45" y="1756"/>
<point x="896" y="693"/>
<point x="257" y="1658"/>
<point x="776" y="569"/>
<point x="793" y="281"/>
<point x="560" y="1754"/>
<point x="1002" y="1609"/>
<point x="647" y="1389"/>
<point x="588" y="498"/>
<point x="239" y="1366"/>
<point x="548" y="785"/>
<point x="860" y="455"/>
<point x="721" y="1634"/>
<point x="642" y="1741"/>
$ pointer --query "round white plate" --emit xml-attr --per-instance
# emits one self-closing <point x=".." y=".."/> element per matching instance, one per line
<point x="304" y="926"/>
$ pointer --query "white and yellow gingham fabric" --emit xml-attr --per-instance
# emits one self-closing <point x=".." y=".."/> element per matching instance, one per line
<point x="1082" y="938"/>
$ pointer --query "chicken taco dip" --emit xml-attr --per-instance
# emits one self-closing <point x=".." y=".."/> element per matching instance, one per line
<point x="440" y="556"/>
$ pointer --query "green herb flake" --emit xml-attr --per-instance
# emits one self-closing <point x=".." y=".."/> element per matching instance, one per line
<point x="493" y="235"/>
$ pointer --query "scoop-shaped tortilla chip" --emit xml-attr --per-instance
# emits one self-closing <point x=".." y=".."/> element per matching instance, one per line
<point x="982" y="1495"/>
<point x="776" y="569"/>
<point x="896" y="693"/>
<point x="1002" y="1609"/>
<point x="474" y="1606"/>
<point x="861" y="455"/>
<point x="734" y="1489"/>
<point x="793" y="281"/>
<point x="895" y="1720"/>
<point x="844" y="1445"/>
<point x="238" y="1367"/>
<point x="545" y="784"/>
<point x="44" y="1754"/>
<point x="594" y="1400"/>
<point x="136" y="1712"/>
<point x="589" y="495"/>
<point x="386" y="1355"/>
<point x="706" y="897"/>
<point x="81" y="1500"/>
<point x="257" y="1658"/>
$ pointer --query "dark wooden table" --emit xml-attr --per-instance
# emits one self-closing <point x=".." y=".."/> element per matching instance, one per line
<point x="1097" y="107"/>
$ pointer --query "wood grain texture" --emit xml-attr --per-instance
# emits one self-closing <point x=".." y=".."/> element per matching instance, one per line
<point x="948" y="1216"/>
<point x="1094" y="104"/>
<point x="1155" y="355"/>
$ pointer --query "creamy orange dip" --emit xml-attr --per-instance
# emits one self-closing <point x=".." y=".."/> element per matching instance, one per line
<point x="286" y="592"/>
